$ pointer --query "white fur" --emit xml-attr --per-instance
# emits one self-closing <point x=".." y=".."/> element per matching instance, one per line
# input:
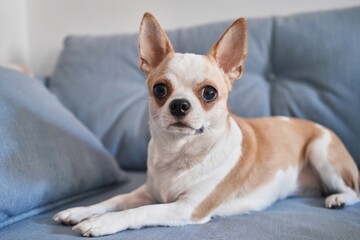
<point x="318" y="155"/>
<point x="283" y="118"/>
<point x="187" y="69"/>
<point x="195" y="164"/>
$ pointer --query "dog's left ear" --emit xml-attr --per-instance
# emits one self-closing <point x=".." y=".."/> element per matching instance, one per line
<point x="230" y="50"/>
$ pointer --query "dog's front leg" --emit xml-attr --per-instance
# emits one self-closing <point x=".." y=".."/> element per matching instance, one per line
<point x="168" y="214"/>
<point x="136" y="198"/>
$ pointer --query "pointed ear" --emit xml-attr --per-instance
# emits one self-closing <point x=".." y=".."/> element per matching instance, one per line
<point x="153" y="44"/>
<point x="230" y="50"/>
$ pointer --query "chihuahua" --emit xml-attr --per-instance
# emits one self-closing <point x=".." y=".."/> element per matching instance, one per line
<point x="203" y="161"/>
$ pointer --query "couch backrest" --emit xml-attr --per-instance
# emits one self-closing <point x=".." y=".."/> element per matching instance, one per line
<point x="305" y="66"/>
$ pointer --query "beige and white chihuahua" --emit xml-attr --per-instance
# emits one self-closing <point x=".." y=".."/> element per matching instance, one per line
<point x="204" y="161"/>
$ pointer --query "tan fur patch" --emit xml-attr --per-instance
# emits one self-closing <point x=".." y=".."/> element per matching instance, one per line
<point x="268" y="145"/>
<point x="167" y="83"/>
<point x="223" y="80"/>
<point x="158" y="76"/>
<point x="197" y="91"/>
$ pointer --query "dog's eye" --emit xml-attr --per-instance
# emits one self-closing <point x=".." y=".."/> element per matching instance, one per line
<point x="160" y="90"/>
<point x="208" y="93"/>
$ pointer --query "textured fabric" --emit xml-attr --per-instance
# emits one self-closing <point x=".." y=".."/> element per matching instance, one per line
<point x="296" y="218"/>
<point x="97" y="78"/>
<point x="316" y="73"/>
<point x="46" y="154"/>
<point x="303" y="66"/>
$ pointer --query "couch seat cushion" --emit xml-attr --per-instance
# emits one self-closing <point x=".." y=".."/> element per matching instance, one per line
<point x="293" y="218"/>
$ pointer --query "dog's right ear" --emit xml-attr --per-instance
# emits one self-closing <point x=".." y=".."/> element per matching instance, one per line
<point x="153" y="44"/>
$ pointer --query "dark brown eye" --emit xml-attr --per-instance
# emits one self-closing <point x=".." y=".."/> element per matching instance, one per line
<point x="208" y="93"/>
<point x="160" y="90"/>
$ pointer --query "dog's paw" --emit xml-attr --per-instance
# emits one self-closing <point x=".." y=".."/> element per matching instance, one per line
<point x="99" y="225"/>
<point x="73" y="216"/>
<point x="335" y="201"/>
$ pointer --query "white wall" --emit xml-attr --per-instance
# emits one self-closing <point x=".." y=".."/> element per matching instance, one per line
<point x="13" y="31"/>
<point x="49" y="21"/>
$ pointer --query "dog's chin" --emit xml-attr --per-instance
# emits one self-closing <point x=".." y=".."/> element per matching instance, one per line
<point x="181" y="128"/>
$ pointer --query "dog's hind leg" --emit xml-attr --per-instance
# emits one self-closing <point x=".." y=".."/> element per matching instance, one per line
<point x="337" y="170"/>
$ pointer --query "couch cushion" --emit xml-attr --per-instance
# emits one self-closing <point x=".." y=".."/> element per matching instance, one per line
<point x="46" y="154"/>
<point x="302" y="66"/>
<point x="97" y="78"/>
<point x="294" y="218"/>
<point x="315" y="71"/>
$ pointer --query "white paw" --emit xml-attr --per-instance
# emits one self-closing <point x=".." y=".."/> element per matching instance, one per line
<point x="73" y="216"/>
<point x="100" y="225"/>
<point x="335" y="201"/>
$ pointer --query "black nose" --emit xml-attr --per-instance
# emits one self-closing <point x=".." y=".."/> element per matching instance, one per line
<point x="179" y="107"/>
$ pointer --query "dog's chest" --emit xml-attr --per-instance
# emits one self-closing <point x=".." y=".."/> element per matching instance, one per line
<point x="172" y="171"/>
<point x="169" y="182"/>
<point x="184" y="174"/>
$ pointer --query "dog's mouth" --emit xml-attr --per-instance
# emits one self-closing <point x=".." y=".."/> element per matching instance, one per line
<point x="181" y="125"/>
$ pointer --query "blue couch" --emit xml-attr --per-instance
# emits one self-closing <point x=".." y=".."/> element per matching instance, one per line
<point x="64" y="143"/>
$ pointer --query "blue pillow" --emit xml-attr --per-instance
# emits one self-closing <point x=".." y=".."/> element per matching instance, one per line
<point x="304" y="66"/>
<point x="46" y="154"/>
<point x="97" y="78"/>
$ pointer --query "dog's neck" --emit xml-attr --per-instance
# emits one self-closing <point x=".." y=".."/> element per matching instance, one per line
<point x="188" y="150"/>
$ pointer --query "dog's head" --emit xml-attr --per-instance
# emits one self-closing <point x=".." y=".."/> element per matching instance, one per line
<point x="188" y="92"/>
